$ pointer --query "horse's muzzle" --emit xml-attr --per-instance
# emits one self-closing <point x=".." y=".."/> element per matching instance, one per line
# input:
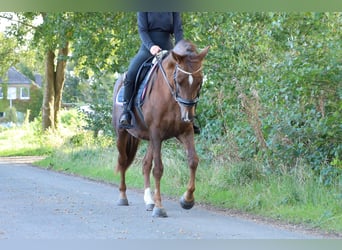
<point x="187" y="114"/>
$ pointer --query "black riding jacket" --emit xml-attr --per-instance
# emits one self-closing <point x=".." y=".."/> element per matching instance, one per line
<point x="152" y="22"/>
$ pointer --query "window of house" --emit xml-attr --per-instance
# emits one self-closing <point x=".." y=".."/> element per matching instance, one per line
<point x="24" y="93"/>
<point x="12" y="93"/>
<point x="1" y="93"/>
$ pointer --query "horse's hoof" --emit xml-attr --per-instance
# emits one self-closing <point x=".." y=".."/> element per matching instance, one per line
<point x="159" y="212"/>
<point x="122" y="202"/>
<point x="149" y="207"/>
<point x="186" y="204"/>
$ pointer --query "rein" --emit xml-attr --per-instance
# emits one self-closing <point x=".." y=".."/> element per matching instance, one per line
<point x="175" y="93"/>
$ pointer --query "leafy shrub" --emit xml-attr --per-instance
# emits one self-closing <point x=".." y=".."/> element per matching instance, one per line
<point x="100" y="117"/>
<point x="11" y="115"/>
<point x="79" y="139"/>
<point x="72" y="118"/>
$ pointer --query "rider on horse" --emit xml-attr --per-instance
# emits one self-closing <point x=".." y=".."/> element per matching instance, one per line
<point x="155" y="30"/>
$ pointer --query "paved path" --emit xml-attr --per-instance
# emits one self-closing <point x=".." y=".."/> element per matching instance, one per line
<point x="41" y="204"/>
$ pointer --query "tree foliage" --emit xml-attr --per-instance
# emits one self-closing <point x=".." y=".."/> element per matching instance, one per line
<point x="87" y="38"/>
<point x="274" y="83"/>
<point x="7" y="53"/>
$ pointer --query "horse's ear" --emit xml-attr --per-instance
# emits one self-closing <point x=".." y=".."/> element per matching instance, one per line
<point x="177" y="57"/>
<point x="203" y="53"/>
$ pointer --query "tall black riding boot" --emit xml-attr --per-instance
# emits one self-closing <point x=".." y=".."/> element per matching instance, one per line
<point x="125" y="118"/>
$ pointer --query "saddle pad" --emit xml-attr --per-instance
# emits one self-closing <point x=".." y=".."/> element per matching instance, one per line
<point x="138" y="97"/>
<point x="119" y="98"/>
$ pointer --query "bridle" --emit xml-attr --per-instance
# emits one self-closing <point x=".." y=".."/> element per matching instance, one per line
<point x="175" y="92"/>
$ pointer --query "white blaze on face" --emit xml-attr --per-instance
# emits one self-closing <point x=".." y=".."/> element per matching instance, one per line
<point x="191" y="79"/>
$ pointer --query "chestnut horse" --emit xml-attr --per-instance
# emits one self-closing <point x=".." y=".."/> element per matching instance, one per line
<point x="168" y="111"/>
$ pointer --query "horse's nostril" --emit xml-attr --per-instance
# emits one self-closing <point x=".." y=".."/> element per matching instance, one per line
<point x="187" y="119"/>
<point x="187" y="115"/>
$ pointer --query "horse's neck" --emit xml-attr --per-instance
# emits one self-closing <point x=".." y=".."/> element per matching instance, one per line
<point x="169" y="65"/>
<point x="159" y="88"/>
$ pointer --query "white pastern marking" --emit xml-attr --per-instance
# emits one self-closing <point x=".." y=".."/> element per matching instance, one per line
<point x="148" y="197"/>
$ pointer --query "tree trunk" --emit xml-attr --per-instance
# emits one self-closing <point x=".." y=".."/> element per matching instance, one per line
<point x="60" y="78"/>
<point x="49" y="92"/>
<point x="54" y="87"/>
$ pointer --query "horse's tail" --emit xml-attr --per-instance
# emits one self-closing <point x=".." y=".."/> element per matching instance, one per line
<point x="127" y="146"/>
<point x="131" y="148"/>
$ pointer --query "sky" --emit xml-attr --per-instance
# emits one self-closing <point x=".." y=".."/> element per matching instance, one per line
<point x="4" y="22"/>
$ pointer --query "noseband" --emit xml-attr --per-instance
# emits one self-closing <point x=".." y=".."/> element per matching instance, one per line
<point x="175" y="93"/>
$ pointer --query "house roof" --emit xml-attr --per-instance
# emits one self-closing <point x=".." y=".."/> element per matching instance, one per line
<point x="14" y="76"/>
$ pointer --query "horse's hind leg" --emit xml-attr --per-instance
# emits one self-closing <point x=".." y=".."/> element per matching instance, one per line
<point x="187" y="201"/>
<point x="158" y="210"/>
<point x="127" y="147"/>
<point x="147" y="166"/>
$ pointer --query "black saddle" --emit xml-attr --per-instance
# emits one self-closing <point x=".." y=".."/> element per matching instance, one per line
<point x="141" y="81"/>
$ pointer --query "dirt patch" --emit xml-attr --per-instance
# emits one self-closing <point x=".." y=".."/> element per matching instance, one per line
<point x="21" y="159"/>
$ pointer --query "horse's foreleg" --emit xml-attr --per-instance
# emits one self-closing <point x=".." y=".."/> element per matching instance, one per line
<point x="147" y="166"/>
<point x="187" y="201"/>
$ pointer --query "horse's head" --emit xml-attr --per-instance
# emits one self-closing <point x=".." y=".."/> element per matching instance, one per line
<point x="188" y="77"/>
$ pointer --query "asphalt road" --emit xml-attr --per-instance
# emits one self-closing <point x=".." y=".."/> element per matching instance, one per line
<point x="41" y="204"/>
